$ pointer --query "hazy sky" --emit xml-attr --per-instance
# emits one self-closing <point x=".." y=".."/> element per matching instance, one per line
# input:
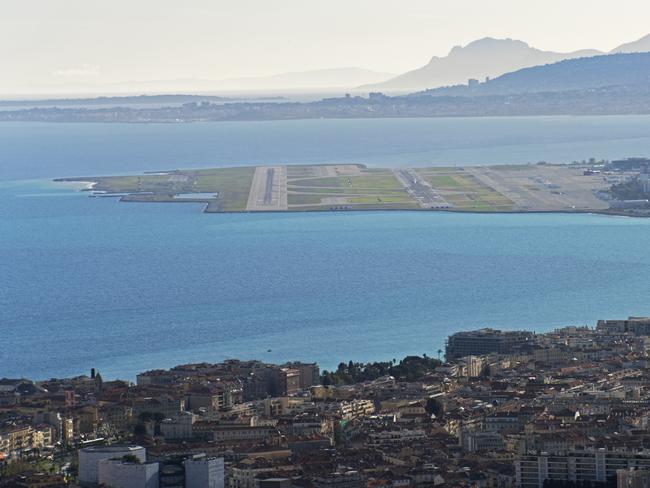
<point x="49" y="42"/>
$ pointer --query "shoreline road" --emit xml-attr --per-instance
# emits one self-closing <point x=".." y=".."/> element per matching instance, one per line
<point x="421" y="191"/>
<point x="268" y="190"/>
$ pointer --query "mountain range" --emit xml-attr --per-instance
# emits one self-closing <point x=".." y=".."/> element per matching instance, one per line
<point x="640" y="46"/>
<point x="597" y="85"/>
<point x="628" y="71"/>
<point x="488" y="58"/>
<point x="479" y="60"/>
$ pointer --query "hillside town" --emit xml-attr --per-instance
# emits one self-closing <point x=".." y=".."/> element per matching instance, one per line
<point x="505" y="409"/>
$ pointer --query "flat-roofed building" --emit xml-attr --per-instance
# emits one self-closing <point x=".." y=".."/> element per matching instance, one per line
<point x="486" y="341"/>
<point x="633" y="478"/>
<point x="639" y="326"/>
<point x="237" y="433"/>
<point x="117" y="473"/>
<point x="178" y="427"/>
<point x="204" y="472"/>
<point x="90" y="457"/>
<point x="309" y="373"/>
<point x="594" y="465"/>
<point x="349" y="479"/>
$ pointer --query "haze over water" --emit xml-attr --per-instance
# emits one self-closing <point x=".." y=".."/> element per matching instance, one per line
<point x="127" y="287"/>
<point x="33" y="150"/>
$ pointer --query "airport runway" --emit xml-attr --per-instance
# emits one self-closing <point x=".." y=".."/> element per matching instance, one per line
<point x="268" y="190"/>
<point x="420" y="190"/>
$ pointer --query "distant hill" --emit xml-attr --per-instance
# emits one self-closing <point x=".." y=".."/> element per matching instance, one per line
<point x="640" y="46"/>
<point x="348" y="78"/>
<point x="479" y="59"/>
<point x="114" y="101"/>
<point x="613" y="70"/>
<point x="345" y="78"/>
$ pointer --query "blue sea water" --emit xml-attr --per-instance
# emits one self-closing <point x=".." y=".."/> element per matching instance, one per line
<point x="46" y="150"/>
<point x="92" y="282"/>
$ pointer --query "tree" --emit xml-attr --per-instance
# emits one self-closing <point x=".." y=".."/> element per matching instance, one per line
<point x="434" y="407"/>
<point x="140" y="430"/>
<point x="149" y="416"/>
<point x="410" y="368"/>
<point x="145" y="416"/>
<point x="130" y="458"/>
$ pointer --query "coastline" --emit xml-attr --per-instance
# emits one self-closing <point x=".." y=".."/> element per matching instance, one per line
<point x="76" y="184"/>
<point x="206" y="207"/>
<point x="484" y="189"/>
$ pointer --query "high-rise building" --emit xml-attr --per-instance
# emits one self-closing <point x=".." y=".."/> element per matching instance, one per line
<point x="486" y="341"/>
<point x="309" y="373"/>
<point x="204" y="472"/>
<point x="639" y="326"/>
<point x="633" y="478"/>
<point x="120" y="473"/>
<point x="90" y="457"/>
<point x="598" y="465"/>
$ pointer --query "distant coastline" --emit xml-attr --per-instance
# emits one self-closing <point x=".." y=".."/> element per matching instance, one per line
<point x="606" y="101"/>
<point x="614" y="84"/>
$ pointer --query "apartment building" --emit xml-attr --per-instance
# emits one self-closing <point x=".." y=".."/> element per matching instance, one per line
<point x="595" y="465"/>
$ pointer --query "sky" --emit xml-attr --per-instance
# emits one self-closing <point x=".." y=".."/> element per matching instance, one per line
<point x="52" y="44"/>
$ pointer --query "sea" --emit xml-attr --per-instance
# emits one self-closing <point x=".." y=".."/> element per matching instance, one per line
<point x="126" y="287"/>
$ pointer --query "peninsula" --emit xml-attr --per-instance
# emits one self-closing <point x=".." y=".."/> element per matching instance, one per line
<point x="578" y="187"/>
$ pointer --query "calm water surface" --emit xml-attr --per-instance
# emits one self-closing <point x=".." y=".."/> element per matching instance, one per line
<point x="33" y="150"/>
<point x="127" y="287"/>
